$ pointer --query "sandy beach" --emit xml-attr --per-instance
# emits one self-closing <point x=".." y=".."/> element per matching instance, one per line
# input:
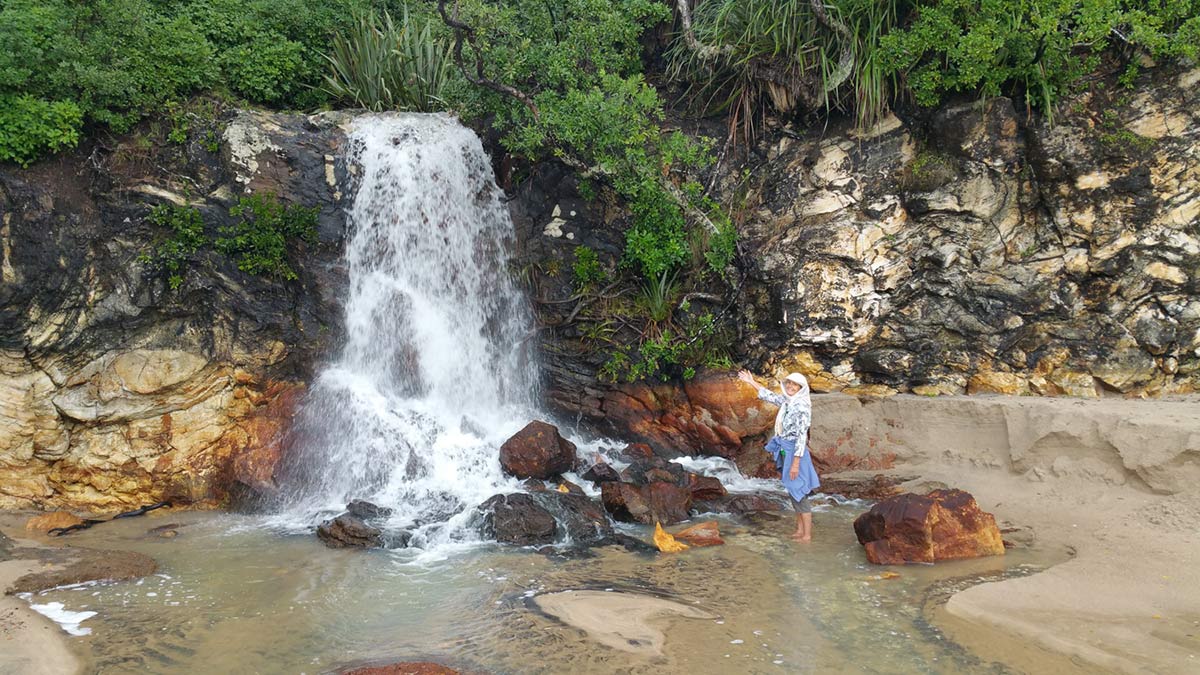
<point x="30" y="644"/>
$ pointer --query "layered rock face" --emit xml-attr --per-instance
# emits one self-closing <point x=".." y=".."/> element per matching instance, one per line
<point x="980" y="253"/>
<point x="116" y="390"/>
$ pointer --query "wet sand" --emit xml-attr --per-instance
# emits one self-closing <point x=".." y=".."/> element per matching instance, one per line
<point x="30" y="644"/>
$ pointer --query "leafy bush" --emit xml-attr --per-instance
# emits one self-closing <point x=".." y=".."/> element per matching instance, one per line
<point x="1038" y="48"/>
<point x="31" y="127"/>
<point x="259" y="240"/>
<point x="379" y="65"/>
<point x="587" y="268"/>
<point x="187" y="236"/>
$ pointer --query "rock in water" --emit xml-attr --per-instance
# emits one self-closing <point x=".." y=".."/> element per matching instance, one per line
<point x="665" y="542"/>
<point x="537" y="451"/>
<point x="601" y="473"/>
<point x="52" y="520"/>
<point x="365" y="509"/>
<point x="705" y="487"/>
<point x="659" y="501"/>
<point x="349" y="531"/>
<point x="518" y="519"/>
<point x="584" y="521"/>
<point x="707" y="533"/>
<point x="942" y="525"/>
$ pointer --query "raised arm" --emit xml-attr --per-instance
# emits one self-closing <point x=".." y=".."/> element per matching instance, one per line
<point x="763" y="393"/>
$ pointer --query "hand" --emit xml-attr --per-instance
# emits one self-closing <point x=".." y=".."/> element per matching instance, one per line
<point x="795" y="472"/>
<point x="745" y="376"/>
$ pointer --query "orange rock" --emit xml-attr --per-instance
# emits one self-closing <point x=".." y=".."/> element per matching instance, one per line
<point x="992" y="382"/>
<point x="704" y="534"/>
<point x="943" y="525"/>
<point x="49" y="521"/>
<point x="665" y="542"/>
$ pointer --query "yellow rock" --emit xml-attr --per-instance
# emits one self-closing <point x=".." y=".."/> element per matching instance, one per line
<point x="665" y="542"/>
<point x="992" y="382"/>
<point x="870" y="391"/>
<point x="563" y="488"/>
<point x="52" y="520"/>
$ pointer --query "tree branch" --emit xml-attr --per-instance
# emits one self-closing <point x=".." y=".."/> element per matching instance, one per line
<point x="465" y="33"/>
<point x="706" y="52"/>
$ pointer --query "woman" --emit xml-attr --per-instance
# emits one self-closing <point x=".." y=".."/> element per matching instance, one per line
<point x="788" y="445"/>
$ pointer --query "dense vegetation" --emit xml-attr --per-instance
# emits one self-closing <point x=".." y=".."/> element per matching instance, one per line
<point x="563" y="79"/>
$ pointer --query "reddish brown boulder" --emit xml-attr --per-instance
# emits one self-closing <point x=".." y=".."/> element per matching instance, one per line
<point x="709" y="414"/>
<point x="942" y="525"/>
<point x="349" y="531"/>
<point x="705" y="487"/>
<point x="537" y="451"/>
<point x="659" y="501"/>
<point x="705" y="534"/>
<point x="738" y="504"/>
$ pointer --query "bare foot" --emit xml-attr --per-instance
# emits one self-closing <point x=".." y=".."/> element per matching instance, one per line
<point x="797" y="536"/>
<point x="805" y="539"/>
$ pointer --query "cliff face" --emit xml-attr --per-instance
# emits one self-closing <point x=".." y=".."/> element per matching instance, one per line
<point x="116" y="390"/>
<point x="981" y="252"/>
<point x="973" y="250"/>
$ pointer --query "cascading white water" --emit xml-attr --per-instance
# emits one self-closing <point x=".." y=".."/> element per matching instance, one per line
<point x="435" y="372"/>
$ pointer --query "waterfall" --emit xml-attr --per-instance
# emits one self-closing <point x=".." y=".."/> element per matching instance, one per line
<point x="436" y="370"/>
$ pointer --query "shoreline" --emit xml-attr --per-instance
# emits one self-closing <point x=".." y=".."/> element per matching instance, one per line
<point x="30" y="643"/>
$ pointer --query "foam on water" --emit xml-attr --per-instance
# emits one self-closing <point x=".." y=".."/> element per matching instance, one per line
<point x="58" y="613"/>
<point x="436" y="371"/>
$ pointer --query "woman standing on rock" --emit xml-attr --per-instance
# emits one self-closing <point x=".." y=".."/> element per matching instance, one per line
<point x="788" y="445"/>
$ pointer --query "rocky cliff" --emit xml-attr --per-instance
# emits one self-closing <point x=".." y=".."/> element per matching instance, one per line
<point x="976" y="249"/>
<point x="116" y="389"/>
<point x="972" y="250"/>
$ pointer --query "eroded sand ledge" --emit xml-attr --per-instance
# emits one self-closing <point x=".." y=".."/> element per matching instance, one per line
<point x="1117" y="481"/>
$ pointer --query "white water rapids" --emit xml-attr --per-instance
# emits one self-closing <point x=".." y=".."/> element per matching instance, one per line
<point x="436" y="371"/>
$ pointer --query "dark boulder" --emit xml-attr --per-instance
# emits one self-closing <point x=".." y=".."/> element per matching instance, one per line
<point x="583" y="522"/>
<point x="518" y="519"/>
<point x="942" y="525"/>
<point x="601" y="473"/>
<point x="659" y="501"/>
<point x="537" y="451"/>
<point x="705" y="487"/>
<point x="366" y="510"/>
<point x="740" y="504"/>
<point x="349" y="531"/>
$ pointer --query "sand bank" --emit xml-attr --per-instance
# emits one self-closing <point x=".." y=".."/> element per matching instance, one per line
<point x="1116" y="481"/>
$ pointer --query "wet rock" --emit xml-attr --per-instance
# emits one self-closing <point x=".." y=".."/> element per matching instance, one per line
<point x="658" y="501"/>
<point x="534" y="485"/>
<point x="873" y="488"/>
<point x="49" y="521"/>
<point x="582" y="521"/>
<point x="707" y="533"/>
<point x="739" y="504"/>
<point x="168" y="531"/>
<point x="518" y="519"/>
<point x="601" y="473"/>
<point x="705" y="487"/>
<point x="943" y="525"/>
<point x="366" y="510"/>
<point x="569" y="487"/>
<point x="77" y="565"/>
<point x="349" y="531"/>
<point x="643" y="470"/>
<point x="537" y="451"/>
<point x="404" y="668"/>
<point x="396" y="538"/>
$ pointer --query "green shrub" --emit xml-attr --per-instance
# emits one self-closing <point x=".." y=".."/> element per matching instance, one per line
<point x="380" y="65"/>
<point x="31" y="127"/>
<point x="186" y="237"/>
<point x="259" y="240"/>
<point x="587" y="268"/>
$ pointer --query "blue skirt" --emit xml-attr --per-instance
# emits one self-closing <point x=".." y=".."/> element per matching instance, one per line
<point x="784" y="450"/>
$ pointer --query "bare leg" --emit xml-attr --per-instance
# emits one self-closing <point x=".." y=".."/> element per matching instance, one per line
<point x="806" y="525"/>
<point x="798" y="535"/>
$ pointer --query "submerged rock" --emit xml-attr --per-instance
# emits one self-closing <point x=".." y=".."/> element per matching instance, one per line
<point x="537" y="451"/>
<point x="742" y="504"/>
<point x="349" y="531"/>
<point x="76" y="565"/>
<point x="942" y="525"/>
<point x="601" y="473"/>
<point x="707" y="533"/>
